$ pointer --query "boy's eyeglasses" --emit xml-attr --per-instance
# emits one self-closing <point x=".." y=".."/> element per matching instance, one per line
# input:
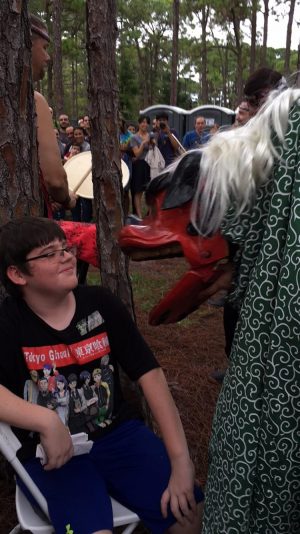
<point x="54" y="255"/>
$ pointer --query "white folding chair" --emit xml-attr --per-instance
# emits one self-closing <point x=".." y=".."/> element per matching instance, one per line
<point x="29" y="519"/>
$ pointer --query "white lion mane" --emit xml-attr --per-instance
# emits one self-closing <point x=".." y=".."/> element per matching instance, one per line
<point x="237" y="161"/>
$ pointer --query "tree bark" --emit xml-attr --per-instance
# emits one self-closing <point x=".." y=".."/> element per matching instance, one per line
<point x="225" y="78"/>
<point x="50" y="94"/>
<point x="174" y="69"/>
<point x="289" y="38"/>
<point x="253" y="36"/>
<point x="143" y="79"/>
<point x="239" y="56"/>
<point x="103" y="98"/>
<point x="108" y="193"/>
<point x="19" y="184"/>
<point x="265" y="34"/>
<point x="204" y="84"/>
<point x="57" y="58"/>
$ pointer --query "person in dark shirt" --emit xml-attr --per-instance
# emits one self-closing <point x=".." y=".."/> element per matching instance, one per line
<point x="63" y="121"/>
<point x="49" y="322"/>
<point x="167" y="138"/>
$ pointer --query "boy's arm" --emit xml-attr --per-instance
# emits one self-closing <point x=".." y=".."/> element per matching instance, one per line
<point x="180" y="491"/>
<point x="54" y="436"/>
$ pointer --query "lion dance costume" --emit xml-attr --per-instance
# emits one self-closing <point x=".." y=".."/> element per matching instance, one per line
<point x="250" y="186"/>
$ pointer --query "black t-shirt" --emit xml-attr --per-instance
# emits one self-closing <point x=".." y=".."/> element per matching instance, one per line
<point x="73" y="371"/>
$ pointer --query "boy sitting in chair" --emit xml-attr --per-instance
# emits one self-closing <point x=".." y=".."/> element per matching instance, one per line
<point x="53" y="329"/>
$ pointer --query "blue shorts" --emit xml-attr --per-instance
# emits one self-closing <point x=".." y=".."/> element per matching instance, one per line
<point x="130" y="464"/>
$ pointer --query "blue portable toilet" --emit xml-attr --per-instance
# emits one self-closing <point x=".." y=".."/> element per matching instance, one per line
<point x="224" y="117"/>
<point x="176" y="116"/>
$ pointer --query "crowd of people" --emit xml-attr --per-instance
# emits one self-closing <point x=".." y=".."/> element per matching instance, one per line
<point x="72" y="140"/>
<point x="145" y="148"/>
<point x="62" y="343"/>
<point x="146" y="151"/>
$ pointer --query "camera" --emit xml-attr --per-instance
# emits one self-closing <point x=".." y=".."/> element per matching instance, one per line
<point x="162" y="125"/>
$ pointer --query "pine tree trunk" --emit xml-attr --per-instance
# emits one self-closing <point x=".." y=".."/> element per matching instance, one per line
<point x="103" y="112"/>
<point x="253" y="36"/>
<point x="57" y="58"/>
<point x="204" y="19"/>
<point x="265" y="34"/>
<point x="73" y="91"/>
<point x="19" y="185"/>
<point x="173" y="95"/>
<point x="239" y="54"/>
<point x="143" y="79"/>
<point x="225" y="78"/>
<point x="20" y="194"/>
<point x="289" y="38"/>
<point x="50" y="93"/>
<point x="103" y="98"/>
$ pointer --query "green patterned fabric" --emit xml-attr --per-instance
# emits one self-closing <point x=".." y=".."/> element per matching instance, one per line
<point x="254" y="475"/>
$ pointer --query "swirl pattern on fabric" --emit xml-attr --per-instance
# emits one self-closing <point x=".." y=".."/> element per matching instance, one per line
<point x="254" y="475"/>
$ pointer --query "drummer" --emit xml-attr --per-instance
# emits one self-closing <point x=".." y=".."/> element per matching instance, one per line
<point x="53" y="178"/>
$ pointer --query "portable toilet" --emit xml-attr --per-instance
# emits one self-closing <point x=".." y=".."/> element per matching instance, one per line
<point x="224" y="117"/>
<point x="177" y="116"/>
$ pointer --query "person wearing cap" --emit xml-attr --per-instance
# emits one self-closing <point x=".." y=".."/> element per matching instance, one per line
<point x="52" y="174"/>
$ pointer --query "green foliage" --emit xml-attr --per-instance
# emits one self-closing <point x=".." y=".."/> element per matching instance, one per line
<point x="144" y="52"/>
<point x="128" y="82"/>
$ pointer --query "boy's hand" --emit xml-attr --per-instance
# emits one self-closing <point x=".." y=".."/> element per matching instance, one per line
<point x="180" y="492"/>
<point x="57" y="444"/>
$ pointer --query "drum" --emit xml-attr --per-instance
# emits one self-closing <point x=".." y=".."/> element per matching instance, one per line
<point x="79" y="174"/>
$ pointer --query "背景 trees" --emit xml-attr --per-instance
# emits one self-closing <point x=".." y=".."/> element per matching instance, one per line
<point x="19" y="183"/>
<point x="218" y="46"/>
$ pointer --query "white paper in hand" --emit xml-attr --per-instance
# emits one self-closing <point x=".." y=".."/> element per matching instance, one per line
<point x="81" y="445"/>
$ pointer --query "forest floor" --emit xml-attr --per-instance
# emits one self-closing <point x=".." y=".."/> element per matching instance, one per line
<point x="187" y="351"/>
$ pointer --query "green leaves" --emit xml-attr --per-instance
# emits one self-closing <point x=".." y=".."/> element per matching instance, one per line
<point x="213" y="52"/>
